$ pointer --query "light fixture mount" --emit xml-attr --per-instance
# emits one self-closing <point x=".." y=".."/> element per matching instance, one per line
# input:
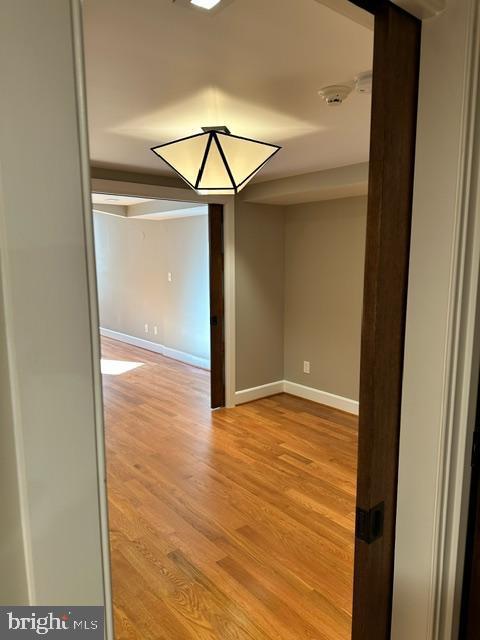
<point x="216" y="161"/>
<point x="221" y="129"/>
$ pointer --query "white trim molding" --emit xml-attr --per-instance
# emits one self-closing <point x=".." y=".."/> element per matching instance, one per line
<point x="174" y="354"/>
<point x="462" y="362"/>
<point x="84" y="161"/>
<point x="299" y="390"/>
<point x="262" y="391"/>
<point x="322" y="397"/>
<point x="442" y="348"/>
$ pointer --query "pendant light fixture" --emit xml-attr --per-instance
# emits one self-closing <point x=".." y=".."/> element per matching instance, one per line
<point x="215" y="161"/>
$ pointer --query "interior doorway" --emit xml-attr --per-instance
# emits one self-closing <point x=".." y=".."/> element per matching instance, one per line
<point x="160" y="280"/>
<point x="388" y="229"/>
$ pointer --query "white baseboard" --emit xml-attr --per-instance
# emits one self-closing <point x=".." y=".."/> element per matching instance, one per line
<point x="300" y="390"/>
<point x="187" y="358"/>
<point x="255" y="393"/>
<point x="322" y="397"/>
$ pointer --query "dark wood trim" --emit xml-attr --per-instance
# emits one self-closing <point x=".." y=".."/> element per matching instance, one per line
<point x="372" y="6"/>
<point x="375" y="6"/>
<point x="217" y="305"/>
<point x="470" y="611"/>
<point x="392" y="150"/>
<point x="470" y="616"/>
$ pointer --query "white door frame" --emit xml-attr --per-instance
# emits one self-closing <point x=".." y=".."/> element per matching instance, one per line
<point x="442" y="346"/>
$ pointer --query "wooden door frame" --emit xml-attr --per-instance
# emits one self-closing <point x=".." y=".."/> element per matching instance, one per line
<point x="217" y="305"/>
<point x="470" y="612"/>
<point x="396" y="62"/>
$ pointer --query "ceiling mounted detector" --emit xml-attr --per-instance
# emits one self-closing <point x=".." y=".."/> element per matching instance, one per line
<point x="336" y="94"/>
<point x="363" y="82"/>
<point x="216" y="161"/>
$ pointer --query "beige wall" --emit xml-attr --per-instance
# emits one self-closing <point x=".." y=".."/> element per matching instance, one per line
<point x="299" y="291"/>
<point x="46" y="282"/>
<point x="259" y="275"/>
<point x="133" y="259"/>
<point x="324" y="265"/>
<point x="13" y="590"/>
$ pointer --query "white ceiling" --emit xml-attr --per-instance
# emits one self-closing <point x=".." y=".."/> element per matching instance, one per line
<point x="157" y="71"/>
<point x="145" y="208"/>
<point x="123" y="201"/>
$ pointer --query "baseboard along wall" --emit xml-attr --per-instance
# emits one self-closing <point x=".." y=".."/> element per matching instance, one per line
<point x="245" y="395"/>
<point x="300" y="390"/>
<point x="187" y="358"/>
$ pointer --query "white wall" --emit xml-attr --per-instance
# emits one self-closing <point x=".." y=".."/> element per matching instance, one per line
<point x="133" y="260"/>
<point x="43" y="181"/>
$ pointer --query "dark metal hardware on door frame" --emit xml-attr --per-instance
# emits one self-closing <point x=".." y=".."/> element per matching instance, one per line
<point x="369" y="524"/>
<point x="476" y="448"/>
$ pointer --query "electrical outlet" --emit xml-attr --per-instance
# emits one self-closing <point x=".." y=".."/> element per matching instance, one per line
<point x="146" y="328"/>
<point x="169" y="276"/>
<point x="155" y="330"/>
<point x="306" y="366"/>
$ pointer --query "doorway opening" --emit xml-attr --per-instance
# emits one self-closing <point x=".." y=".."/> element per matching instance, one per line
<point x="228" y="494"/>
<point x="160" y="282"/>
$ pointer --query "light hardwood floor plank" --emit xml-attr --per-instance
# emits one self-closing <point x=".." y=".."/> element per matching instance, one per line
<point x="236" y="524"/>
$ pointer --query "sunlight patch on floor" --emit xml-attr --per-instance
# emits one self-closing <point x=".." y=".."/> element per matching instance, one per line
<point x="117" y="367"/>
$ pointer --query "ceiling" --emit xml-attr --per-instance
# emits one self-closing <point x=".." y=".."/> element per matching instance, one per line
<point x="145" y="208"/>
<point x="123" y="201"/>
<point x="158" y="70"/>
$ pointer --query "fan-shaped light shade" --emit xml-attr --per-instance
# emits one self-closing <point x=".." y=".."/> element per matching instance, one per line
<point x="216" y="161"/>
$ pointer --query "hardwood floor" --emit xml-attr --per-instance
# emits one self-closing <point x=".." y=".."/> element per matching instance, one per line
<point x="228" y="525"/>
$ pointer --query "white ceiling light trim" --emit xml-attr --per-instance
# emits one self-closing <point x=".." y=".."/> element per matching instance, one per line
<point x="216" y="162"/>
